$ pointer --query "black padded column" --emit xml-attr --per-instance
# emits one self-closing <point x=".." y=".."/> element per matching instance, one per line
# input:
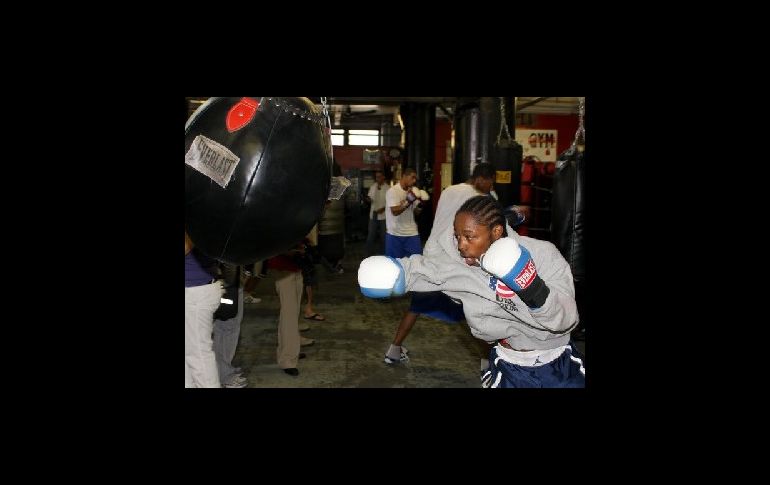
<point x="420" y="126"/>
<point x="466" y="126"/>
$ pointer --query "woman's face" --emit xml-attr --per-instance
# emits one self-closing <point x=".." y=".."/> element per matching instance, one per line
<point x="473" y="239"/>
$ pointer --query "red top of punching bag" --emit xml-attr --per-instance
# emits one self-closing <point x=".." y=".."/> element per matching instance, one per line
<point x="240" y="114"/>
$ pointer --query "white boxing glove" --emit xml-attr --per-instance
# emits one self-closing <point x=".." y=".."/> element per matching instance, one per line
<point x="381" y="277"/>
<point x="424" y="196"/>
<point x="513" y="265"/>
<point x="412" y="195"/>
<point x="501" y="256"/>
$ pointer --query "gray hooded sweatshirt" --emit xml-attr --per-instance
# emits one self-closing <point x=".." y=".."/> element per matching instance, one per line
<point x="492" y="310"/>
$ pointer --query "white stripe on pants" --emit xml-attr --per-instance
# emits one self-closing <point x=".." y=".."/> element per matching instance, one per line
<point x="226" y="333"/>
<point x="200" y="303"/>
<point x="289" y="288"/>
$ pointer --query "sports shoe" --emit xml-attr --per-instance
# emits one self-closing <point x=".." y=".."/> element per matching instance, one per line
<point x="251" y="299"/>
<point x="236" y="382"/>
<point x="403" y="358"/>
<point x="237" y="377"/>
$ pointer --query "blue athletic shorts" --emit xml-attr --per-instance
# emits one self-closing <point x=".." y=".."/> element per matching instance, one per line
<point x="565" y="371"/>
<point x="402" y="246"/>
<point x="437" y="305"/>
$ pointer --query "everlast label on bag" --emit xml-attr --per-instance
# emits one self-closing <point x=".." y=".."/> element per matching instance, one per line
<point x="211" y="159"/>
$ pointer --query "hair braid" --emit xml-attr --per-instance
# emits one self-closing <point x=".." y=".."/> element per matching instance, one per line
<point x="485" y="211"/>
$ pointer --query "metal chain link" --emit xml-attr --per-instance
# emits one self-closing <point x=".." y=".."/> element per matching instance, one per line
<point x="581" y="126"/>
<point x="503" y="123"/>
<point x="325" y="110"/>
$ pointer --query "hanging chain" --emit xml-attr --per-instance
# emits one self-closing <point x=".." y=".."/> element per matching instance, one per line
<point x="503" y="123"/>
<point x="325" y="110"/>
<point x="581" y="131"/>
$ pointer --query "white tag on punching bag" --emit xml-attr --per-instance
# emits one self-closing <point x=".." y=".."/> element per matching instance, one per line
<point x="212" y="160"/>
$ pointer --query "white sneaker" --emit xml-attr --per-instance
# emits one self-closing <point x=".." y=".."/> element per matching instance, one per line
<point x="251" y="299"/>
<point x="404" y="357"/>
<point x="236" y="382"/>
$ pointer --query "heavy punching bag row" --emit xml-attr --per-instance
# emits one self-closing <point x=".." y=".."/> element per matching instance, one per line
<point x="568" y="213"/>
<point x="257" y="175"/>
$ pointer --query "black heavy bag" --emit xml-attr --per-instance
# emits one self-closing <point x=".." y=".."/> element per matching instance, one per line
<point x="257" y="174"/>
<point x="567" y="212"/>
<point x="506" y="158"/>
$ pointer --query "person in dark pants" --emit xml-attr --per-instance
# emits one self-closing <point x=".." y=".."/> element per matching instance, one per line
<point x="375" y="238"/>
<point x="306" y="261"/>
<point x="227" y="327"/>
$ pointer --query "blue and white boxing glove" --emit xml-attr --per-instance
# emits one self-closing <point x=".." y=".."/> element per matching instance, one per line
<point x="512" y="264"/>
<point x="381" y="277"/>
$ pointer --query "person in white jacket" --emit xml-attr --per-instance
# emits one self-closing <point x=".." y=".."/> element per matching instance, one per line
<point x="517" y="293"/>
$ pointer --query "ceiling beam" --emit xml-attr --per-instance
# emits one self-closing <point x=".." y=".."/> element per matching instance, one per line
<point x="529" y="103"/>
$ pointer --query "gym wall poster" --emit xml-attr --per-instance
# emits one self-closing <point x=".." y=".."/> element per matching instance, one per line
<point x="539" y="143"/>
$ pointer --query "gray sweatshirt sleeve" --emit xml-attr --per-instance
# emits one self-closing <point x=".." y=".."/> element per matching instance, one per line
<point x="422" y="274"/>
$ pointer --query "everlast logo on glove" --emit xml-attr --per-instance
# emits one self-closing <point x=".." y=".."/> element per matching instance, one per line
<point x="527" y="275"/>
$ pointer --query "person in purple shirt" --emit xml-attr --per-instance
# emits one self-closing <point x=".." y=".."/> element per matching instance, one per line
<point x="202" y="294"/>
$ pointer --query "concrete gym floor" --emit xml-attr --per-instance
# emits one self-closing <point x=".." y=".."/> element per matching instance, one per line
<point x="350" y="345"/>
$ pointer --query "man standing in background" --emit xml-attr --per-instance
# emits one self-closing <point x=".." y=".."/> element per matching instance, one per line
<point x="375" y="239"/>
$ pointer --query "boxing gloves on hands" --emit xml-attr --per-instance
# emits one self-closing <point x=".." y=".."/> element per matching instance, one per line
<point x="513" y="265"/>
<point x="416" y="194"/>
<point x="381" y="277"/>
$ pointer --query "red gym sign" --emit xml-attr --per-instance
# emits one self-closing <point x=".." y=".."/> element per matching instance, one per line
<point x="538" y="143"/>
